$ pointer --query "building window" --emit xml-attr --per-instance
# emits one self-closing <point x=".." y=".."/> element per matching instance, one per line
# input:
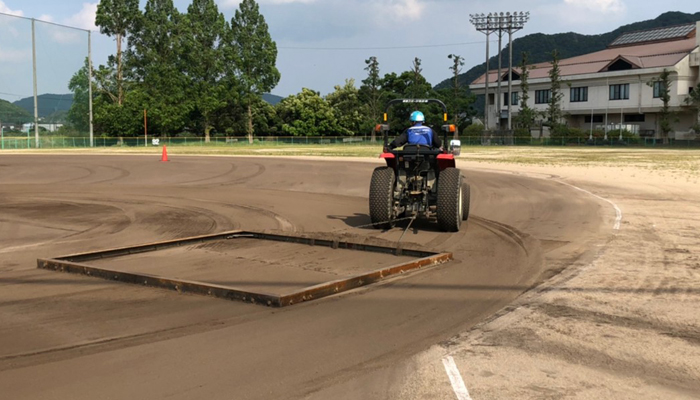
<point x="620" y="92"/>
<point x="542" y="96"/>
<point x="634" y="117"/>
<point x="579" y="94"/>
<point x="658" y="89"/>
<point x="597" y="119"/>
<point x="514" y="99"/>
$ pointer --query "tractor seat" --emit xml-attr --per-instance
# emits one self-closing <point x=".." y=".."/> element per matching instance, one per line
<point x="417" y="149"/>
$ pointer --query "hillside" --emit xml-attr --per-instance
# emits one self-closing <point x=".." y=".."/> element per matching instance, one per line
<point x="10" y="113"/>
<point x="540" y="46"/>
<point x="50" y="105"/>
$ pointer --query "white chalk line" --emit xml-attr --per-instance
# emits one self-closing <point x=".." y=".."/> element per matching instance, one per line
<point x="618" y="212"/>
<point x="458" y="385"/>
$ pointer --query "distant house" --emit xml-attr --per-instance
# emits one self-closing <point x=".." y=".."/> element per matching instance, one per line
<point x="48" y="127"/>
<point x="609" y="89"/>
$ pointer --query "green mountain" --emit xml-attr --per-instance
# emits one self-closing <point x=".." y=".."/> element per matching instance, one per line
<point x="10" y="113"/>
<point x="540" y="46"/>
<point x="50" y="106"/>
<point x="271" y="98"/>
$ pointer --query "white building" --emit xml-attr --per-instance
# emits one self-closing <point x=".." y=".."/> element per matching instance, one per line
<point x="611" y="87"/>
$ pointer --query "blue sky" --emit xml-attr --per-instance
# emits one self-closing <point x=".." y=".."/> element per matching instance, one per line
<point x="321" y="42"/>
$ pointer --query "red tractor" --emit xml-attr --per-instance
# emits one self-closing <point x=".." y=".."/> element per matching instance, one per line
<point x="418" y="181"/>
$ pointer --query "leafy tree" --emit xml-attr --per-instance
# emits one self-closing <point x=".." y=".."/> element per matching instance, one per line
<point x="349" y="110"/>
<point x="526" y="115"/>
<point x="252" y="54"/>
<point x="117" y="18"/>
<point x="204" y="64"/>
<point x="666" y="116"/>
<point x="79" y="113"/>
<point x="157" y="65"/>
<point x="307" y="114"/>
<point x="693" y="101"/>
<point x="409" y="85"/>
<point x="553" y="112"/>
<point x="232" y="119"/>
<point x="370" y="93"/>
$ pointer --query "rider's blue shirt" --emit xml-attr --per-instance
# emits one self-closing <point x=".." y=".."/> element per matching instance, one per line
<point x="421" y="135"/>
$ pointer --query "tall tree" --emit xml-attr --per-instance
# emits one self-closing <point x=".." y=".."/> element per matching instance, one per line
<point x="526" y="115"/>
<point x="253" y="54"/>
<point x="205" y="27"/>
<point x="117" y="18"/>
<point x="554" y="113"/>
<point x="370" y="92"/>
<point x="417" y="78"/>
<point x="662" y="84"/>
<point x="78" y="115"/>
<point x="156" y="60"/>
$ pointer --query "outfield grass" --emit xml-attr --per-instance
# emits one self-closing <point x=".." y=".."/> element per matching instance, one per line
<point x="655" y="159"/>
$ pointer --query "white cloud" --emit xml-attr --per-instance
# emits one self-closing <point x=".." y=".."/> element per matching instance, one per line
<point x="601" y="6"/>
<point x="85" y="18"/>
<point x="234" y="3"/>
<point x="5" y="9"/>
<point x="407" y="9"/>
<point x="9" y="55"/>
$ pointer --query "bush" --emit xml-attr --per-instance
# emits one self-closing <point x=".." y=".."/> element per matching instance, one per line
<point x="474" y="130"/>
<point x="615" y="134"/>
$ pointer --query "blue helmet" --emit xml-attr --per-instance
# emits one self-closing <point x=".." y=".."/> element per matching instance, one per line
<point x="417" y="116"/>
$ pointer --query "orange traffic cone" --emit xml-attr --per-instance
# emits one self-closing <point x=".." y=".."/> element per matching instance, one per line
<point x="164" y="157"/>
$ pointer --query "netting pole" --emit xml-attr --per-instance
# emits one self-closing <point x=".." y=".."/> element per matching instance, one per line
<point x="92" y="140"/>
<point x="36" y="106"/>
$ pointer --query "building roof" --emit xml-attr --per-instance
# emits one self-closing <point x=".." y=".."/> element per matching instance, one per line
<point x="647" y="55"/>
<point x="654" y="35"/>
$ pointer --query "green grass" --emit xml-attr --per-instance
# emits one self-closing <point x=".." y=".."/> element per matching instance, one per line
<point x="644" y="158"/>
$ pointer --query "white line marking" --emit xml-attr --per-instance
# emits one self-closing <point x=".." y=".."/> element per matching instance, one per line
<point x="618" y="212"/>
<point x="456" y="379"/>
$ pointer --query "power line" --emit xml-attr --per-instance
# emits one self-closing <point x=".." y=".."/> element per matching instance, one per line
<point x="376" y="48"/>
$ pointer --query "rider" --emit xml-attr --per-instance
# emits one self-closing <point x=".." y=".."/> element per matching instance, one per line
<point x="417" y="134"/>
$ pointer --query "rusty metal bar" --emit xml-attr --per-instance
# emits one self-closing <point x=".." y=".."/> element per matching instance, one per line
<point x="73" y="264"/>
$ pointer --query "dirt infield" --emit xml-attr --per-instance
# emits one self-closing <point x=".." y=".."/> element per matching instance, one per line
<point x="89" y="338"/>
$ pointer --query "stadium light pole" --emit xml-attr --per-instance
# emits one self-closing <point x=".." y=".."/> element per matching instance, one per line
<point x="499" y="23"/>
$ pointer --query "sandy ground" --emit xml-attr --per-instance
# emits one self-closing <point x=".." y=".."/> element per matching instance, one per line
<point x="620" y="321"/>
<point x="625" y="325"/>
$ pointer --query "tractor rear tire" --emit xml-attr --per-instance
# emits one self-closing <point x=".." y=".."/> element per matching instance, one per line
<point x="466" y="195"/>
<point x="381" y="198"/>
<point x="449" y="201"/>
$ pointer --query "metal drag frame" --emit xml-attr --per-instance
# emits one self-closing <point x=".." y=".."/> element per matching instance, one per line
<point x="75" y="264"/>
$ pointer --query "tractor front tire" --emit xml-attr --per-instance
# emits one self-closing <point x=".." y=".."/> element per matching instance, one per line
<point x="466" y="197"/>
<point x="381" y="198"/>
<point x="449" y="201"/>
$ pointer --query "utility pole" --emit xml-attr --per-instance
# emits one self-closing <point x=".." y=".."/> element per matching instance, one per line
<point x="92" y="138"/>
<point x="36" y="103"/>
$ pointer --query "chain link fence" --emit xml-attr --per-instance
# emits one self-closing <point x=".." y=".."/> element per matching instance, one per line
<point x="39" y="57"/>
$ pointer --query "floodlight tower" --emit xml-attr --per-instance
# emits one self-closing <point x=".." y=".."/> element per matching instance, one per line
<point x="499" y="23"/>
<point x="482" y="23"/>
